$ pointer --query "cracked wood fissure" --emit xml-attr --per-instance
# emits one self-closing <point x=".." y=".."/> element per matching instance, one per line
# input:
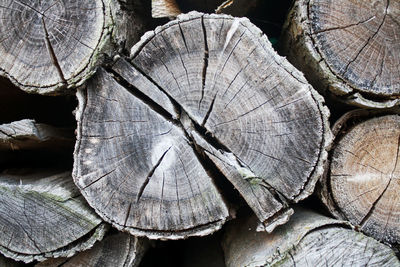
<point x="116" y="250"/>
<point x="48" y="46"/>
<point x="154" y="167"/>
<point x="351" y="48"/>
<point x="308" y="239"/>
<point x="362" y="181"/>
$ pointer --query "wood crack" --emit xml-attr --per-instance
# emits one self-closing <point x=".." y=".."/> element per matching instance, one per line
<point x="345" y="27"/>
<point x="52" y="54"/>
<point x="205" y="61"/>
<point x="150" y="174"/>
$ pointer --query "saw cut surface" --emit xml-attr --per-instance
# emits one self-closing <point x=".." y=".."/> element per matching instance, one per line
<point x="203" y="98"/>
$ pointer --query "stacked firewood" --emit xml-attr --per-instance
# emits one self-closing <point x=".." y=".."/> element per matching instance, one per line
<point x="115" y="141"/>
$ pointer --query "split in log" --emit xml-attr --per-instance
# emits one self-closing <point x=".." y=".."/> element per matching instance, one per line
<point x="349" y="49"/>
<point x="308" y="239"/>
<point x="115" y="250"/>
<point x="203" y="97"/>
<point x="43" y="215"/>
<point x="361" y="184"/>
<point x="50" y="46"/>
<point x="27" y="142"/>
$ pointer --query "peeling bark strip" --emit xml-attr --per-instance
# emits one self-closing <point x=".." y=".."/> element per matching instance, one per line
<point x="202" y="96"/>
<point x="349" y="48"/>
<point x="42" y="215"/>
<point x="47" y="46"/>
<point x="362" y="181"/>
<point x="116" y="250"/>
<point x="308" y="239"/>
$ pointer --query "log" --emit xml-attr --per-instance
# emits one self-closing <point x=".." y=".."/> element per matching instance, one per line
<point x="48" y="47"/>
<point x="308" y="239"/>
<point x="43" y="215"/>
<point x="172" y="8"/>
<point x="28" y="143"/>
<point x="115" y="250"/>
<point x="203" y="98"/>
<point x="349" y="49"/>
<point x="361" y="180"/>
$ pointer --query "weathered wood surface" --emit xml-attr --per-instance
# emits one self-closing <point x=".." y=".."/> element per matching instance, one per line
<point x="347" y="48"/>
<point x="308" y="239"/>
<point x="115" y="250"/>
<point x="42" y="215"/>
<point x="27" y="134"/>
<point x="361" y="182"/>
<point x="203" y="97"/>
<point x="47" y="46"/>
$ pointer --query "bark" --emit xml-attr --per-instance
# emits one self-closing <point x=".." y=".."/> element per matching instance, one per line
<point x="116" y="250"/>
<point x="361" y="181"/>
<point x="349" y="49"/>
<point x="308" y="239"/>
<point x="202" y="98"/>
<point x="172" y="8"/>
<point x="50" y="47"/>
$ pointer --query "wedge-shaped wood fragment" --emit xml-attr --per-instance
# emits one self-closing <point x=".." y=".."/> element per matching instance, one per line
<point x="308" y="239"/>
<point x="202" y="98"/>
<point x="43" y="215"/>
<point x="46" y="46"/>
<point x="115" y="250"/>
<point x="362" y="180"/>
<point x="349" y="49"/>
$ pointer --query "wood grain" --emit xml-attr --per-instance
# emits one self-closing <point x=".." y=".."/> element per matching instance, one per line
<point x="349" y="48"/>
<point x="202" y="96"/>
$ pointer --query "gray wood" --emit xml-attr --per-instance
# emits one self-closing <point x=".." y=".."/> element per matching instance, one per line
<point x="308" y="239"/>
<point x="42" y="215"/>
<point x="47" y="46"/>
<point x="28" y="134"/>
<point x="115" y="250"/>
<point x="202" y="97"/>
<point x="349" y="49"/>
<point x="360" y="184"/>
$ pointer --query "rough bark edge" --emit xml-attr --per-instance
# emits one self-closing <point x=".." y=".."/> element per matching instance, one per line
<point x="200" y="230"/>
<point x="309" y="221"/>
<point x="137" y="247"/>
<point x="309" y="185"/>
<point x="297" y="40"/>
<point x="343" y="124"/>
<point x="84" y="73"/>
<point x="80" y="244"/>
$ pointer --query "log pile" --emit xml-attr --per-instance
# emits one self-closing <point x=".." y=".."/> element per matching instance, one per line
<point x="199" y="128"/>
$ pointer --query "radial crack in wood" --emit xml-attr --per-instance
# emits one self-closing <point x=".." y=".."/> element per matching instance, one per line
<point x="48" y="46"/>
<point x="43" y="215"/>
<point x="362" y="180"/>
<point x="248" y="111"/>
<point x="115" y="250"/>
<point x="349" y="49"/>
<point x="308" y="239"/>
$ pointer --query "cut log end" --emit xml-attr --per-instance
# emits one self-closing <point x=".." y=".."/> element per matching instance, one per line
<point x="362" y="180"/>
<point x="49" y="46"/>
<point x="308" y="239"/>
<point x="202" y="97"/>
<point x="350" y="49"/>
